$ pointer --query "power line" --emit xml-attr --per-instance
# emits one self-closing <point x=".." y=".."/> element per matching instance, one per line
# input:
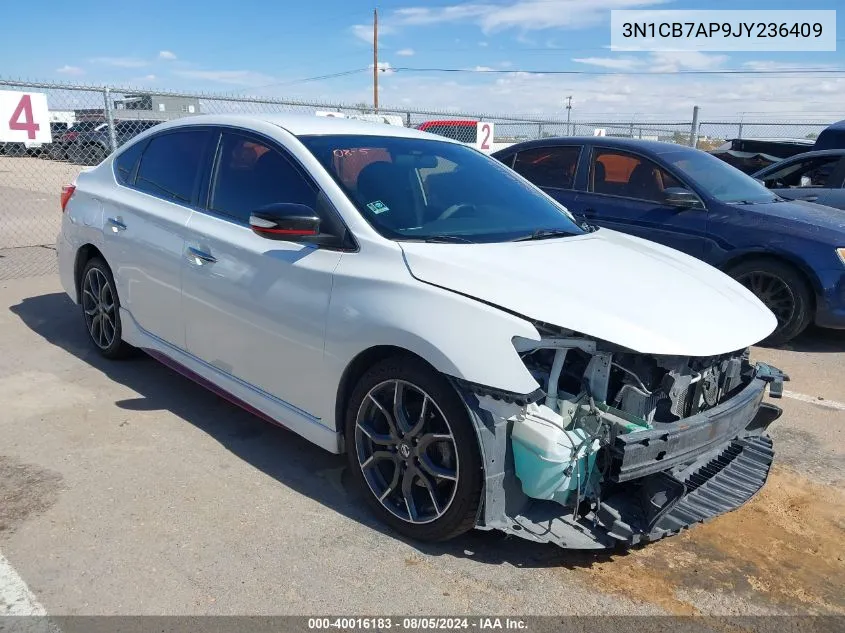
<point x="342" y="73"/>
<point x="731" y="71"/>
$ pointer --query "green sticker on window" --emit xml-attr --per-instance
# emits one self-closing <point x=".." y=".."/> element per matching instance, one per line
<point x="377" y="207"/>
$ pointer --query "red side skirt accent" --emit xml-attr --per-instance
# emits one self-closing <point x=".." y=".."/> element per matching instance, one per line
<point x="204" y="382"/>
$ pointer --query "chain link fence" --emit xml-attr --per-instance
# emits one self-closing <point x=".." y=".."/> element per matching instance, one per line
<point x="89" y="122"/>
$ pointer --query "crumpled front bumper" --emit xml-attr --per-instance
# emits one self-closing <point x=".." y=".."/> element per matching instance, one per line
<point x="659" y="482"/>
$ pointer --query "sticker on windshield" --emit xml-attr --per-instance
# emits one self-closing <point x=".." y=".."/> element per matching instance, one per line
<point x="377" y="207"/>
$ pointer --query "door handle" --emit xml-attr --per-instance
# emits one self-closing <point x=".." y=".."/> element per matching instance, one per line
<point x="809" y="198"/>
<point x="199" y="257"/>
<point x="117" y="224"/>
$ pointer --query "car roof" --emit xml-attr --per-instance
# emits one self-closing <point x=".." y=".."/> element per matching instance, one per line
<point x="307" y="124"/>
<point x="656" y="147"/>
<point x="818" y="153"/>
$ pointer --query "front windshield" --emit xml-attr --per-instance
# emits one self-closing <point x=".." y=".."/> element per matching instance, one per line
<point x="420" y="189"/>
<point x="722" y="181"/>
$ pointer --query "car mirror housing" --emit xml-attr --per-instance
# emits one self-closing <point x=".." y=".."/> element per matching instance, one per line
<point x="682" y="198"/>
<point x="285" y="221"/>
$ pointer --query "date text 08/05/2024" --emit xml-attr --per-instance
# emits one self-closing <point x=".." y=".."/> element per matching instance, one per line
<point x="415" y="623"/>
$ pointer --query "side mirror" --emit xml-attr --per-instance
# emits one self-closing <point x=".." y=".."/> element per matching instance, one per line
<point x="285" y="221"/>
<point x="682" y="198"/>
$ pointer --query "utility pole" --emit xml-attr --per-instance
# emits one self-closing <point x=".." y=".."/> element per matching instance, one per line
<point x="693" y="135"/>
<point x="568" y="115"/>
<point x="375" y="60"/>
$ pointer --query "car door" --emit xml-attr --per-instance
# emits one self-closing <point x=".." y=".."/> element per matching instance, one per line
<point x="553" y="169"/>
<point x="626" y="191"/>
<point x="813" y="179"/>
<point x="145" y="226"/>
<point x="256" y="308"/>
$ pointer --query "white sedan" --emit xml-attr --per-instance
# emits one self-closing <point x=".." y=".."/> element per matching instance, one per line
<point x="483" y="359"/>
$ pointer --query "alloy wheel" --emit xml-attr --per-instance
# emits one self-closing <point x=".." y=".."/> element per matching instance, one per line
<point x="99" y="307"/>
<point x="773" y="292"/>
<point x="406" y="451"/>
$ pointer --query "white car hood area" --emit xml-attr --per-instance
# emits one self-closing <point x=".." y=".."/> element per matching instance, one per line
<point x="607" y="285"/>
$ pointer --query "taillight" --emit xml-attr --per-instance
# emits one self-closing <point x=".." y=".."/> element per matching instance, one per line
<point x="67" y="192"/>
<point x="68" y="137"/>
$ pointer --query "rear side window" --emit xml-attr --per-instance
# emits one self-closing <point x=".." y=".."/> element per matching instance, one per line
<point x="549" y="166"/>
<point x="170" y="165"/>
<point x="251" y="175"/>
<point x="124" y="165"/>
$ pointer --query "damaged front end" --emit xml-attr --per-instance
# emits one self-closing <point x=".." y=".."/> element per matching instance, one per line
<point x="619" y="447"/>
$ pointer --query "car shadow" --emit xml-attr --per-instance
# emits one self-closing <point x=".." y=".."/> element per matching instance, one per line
<point x="286" y="457"/>
<point x="814" y="340"/>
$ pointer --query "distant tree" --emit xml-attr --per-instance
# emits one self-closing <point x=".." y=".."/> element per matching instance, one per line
<point x="812" y="136"/>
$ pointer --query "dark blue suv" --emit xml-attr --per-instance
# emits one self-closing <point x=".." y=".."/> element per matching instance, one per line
<point x="790" y="254"/>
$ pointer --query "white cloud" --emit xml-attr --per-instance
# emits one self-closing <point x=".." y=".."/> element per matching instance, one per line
<point x="168" y="55"/>
<point x="602" y="98"/>
<point x="364" y="32"/>
<point x="482" y="69"/>
<point x="772" y="65"/>
<point x="120" y="62"/>
<point x="148" y="78"/>
<point x="527" y="15"/>
<point x="70" y="70"/>
<point x="659" y="62"/>
<point x="232" y="77"/>
<point x="685" y="60"/>
<point x="615" y="63"/>
<point x="384" y="68"/>
<point x="405" y="52"/>
<point x="437" y="15"/>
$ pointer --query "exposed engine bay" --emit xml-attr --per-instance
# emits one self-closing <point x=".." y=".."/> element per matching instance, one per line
<point x="618" y="441"/>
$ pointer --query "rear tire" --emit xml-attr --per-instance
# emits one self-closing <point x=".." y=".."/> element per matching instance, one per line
<point x="101" y="310"/>
<point x="419" y="470"/>
<point x="783" y="290"/>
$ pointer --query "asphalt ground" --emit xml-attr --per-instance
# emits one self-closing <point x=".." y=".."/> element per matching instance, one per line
<point x="127" y="489"/>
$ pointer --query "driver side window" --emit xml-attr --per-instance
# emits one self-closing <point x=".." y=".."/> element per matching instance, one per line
<point x="617" y="173"/>
<point x="813" y="172"/>
<point x="250" y="175"/>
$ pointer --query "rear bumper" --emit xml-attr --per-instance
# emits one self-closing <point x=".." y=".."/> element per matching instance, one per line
<point x="830" y="303"/>
<point x="66" y="256"/>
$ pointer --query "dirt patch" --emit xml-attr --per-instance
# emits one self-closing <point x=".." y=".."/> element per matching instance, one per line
<point x="25" y="490"/>
<point x="786" y="548"/>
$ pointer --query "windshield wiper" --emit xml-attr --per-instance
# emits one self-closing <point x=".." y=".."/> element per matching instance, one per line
<point x="544" y="234"/>
<point x="447" y="239"/>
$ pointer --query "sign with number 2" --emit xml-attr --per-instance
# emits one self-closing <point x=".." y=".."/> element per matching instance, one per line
<point x="484" y="136"/>
<point x="24" y="117"/>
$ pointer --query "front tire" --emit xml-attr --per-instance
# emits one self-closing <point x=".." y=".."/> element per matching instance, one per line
<point x="101" y="310"/>
<point x="412" y="450"/>
<point x="783" y="290"/>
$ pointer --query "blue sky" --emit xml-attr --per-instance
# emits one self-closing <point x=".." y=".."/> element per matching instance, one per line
<point x="253" y="47"/>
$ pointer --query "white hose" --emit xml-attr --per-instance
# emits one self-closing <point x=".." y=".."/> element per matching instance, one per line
<point x="554" y="377"/>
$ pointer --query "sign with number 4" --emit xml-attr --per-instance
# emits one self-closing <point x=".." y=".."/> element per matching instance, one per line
<point x="24" y="117"/>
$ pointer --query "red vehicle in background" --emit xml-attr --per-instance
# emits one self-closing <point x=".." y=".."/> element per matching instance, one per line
<point x="458" y="129"/>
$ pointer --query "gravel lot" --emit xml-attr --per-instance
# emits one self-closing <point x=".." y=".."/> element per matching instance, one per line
<point x="126" y="489"/>
<point x="29" y="199"/>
